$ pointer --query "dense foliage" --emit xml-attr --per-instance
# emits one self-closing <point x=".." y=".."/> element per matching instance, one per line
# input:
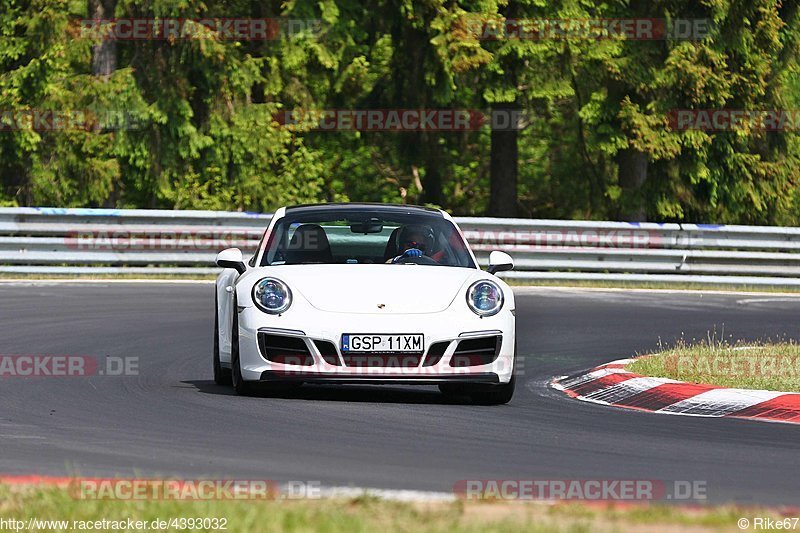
<point x="191" y="122"/>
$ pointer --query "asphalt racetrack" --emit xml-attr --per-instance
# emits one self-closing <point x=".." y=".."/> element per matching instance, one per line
<point x="171" y="420"/>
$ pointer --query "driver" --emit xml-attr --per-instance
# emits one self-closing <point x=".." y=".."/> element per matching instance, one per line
<point x="413" y="241"/>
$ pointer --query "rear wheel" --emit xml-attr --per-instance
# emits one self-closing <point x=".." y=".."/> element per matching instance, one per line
<point x="222" y="376"/>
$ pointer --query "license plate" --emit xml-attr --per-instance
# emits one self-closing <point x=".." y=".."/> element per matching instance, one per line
<point x="402" y="343"/>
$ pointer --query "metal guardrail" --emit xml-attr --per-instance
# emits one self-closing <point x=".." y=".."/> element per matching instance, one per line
<point x="157" y="242"/>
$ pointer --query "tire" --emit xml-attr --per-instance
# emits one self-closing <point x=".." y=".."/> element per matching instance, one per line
<point x="242" y="387"/>
<point x="494" y="394"/>
<point x="222" y="376"/>
<point x="483" y="394"/>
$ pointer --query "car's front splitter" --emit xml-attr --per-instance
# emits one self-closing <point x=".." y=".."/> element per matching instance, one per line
<point x="326" y="377"/>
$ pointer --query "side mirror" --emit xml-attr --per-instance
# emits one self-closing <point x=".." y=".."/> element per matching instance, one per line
<point x="232" y="258"/>
<point x="499" y="262"/>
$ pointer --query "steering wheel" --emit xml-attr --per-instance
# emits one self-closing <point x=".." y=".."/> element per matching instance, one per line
<point x="421" y="260"/>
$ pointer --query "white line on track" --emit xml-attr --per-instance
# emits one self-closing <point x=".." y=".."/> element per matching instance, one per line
<point x="386" y="494"/>
<point x="788" y="296"/>
<point x="38" y="282"/>
<point x="764" y="300"/>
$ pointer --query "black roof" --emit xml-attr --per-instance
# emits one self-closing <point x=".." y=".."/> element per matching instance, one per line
<point x="337" y="206"/>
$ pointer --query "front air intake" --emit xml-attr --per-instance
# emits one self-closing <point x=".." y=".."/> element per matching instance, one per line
<point x="328" y="352"/>
<point x="285" y="350"/>
<point x="377" y="360"/>
<point x="476" y="352"/>
<point x="435" y="353"/>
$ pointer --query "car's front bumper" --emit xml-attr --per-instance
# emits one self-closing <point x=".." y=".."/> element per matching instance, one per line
<point x="454" y="364"/>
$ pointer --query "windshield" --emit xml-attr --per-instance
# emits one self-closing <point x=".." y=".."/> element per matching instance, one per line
<point x="365" y="237"/>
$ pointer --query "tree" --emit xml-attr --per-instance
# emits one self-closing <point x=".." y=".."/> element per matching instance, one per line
<point x="634" y="86"/>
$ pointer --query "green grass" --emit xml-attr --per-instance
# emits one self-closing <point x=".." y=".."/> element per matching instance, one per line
<point x="369" y="514"/>
<point x="712" y="518"/>
<point x="762" y="365"/>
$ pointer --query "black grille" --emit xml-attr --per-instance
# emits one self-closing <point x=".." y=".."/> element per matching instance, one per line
<point x="286" y="350"/>
<point x="382" y="360"/>
<point x="328" y="352"/>
<point x="475" y="352"/>
<point x="435" y="353"/>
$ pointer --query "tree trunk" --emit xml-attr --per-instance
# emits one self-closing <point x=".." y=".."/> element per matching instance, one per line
<point x="503" y="163"/>
<point x="104" y="63"/>
<point x="104" y="53"/>
<point x="432" y="182"/>
<point x="632" y="175"/>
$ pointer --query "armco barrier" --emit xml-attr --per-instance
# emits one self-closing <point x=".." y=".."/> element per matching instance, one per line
<point x="156" y="242"/>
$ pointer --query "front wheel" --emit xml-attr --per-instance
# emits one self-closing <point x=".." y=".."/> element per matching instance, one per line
<point x="222" y="376"/>
<point x="242" y="387"/>
<point x="481" y="394"/>
<point x="494" y="394"/>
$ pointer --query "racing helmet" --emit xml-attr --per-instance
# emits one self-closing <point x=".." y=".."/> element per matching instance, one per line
<point x="416" y="236"/>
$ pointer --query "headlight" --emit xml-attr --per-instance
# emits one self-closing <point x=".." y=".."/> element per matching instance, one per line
<point x="485" y="298"/>
<point x="272" y="296"/>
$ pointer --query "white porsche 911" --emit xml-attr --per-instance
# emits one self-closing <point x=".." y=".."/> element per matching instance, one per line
<point x="365" y="293"/>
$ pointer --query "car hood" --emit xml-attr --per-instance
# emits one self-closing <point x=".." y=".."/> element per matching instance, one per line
<point x="365" y="288"/>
